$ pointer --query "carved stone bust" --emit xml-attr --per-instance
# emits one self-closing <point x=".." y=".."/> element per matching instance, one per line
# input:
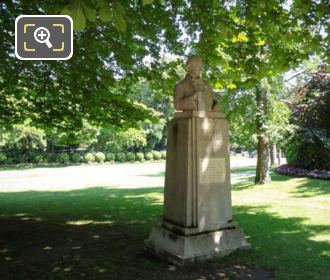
<point x="193" y="93"/>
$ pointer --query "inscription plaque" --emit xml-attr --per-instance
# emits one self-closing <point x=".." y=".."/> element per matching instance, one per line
<point x="212" y="171"/>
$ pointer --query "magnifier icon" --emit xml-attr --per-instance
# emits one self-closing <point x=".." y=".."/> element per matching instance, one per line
<point x="41" y="35"/>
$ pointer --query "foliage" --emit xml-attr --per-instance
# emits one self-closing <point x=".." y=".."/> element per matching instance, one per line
<point x="241" y="111"/>
<point x="50" y="157"/>
<point x="156" y="155"/>
<point x="89" y="158"/>
<point x="22" y="138"/>
<point x="139" y="156"/>
<point x="121" y="157"/>
<point x="99" y="157"/>
<point x="110" y="156"/>
<point x="130" y="156"/>
<point x="62" y="94"/>
<point x="311" y="101"/>
<point x="243" y="42"/>
<point x="163" y="153"/>
<point x="3" y="158"/>
<point x="63" y="158"/>
<point x="76" y="157"/>
<point x="309" y="149"/>
<point x="114" y="140"/>
<point x="148" y="156"/>
<point x="310" y="146"/>
<point x="39" y="158"/>
<point x="84" y="137"/>
<point x="286" y="169"/>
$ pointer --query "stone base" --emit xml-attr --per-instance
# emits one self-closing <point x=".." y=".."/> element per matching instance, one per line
<point x="179" y="249"/>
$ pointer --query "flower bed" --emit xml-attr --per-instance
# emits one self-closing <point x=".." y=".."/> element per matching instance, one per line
<point x="285" y="169"/>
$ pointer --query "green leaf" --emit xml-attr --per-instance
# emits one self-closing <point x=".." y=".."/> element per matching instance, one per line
<point x="76" y="12"/>
<point x="147" y="2"/>
<point x="119" y="8"/>
<point x="119" y="22"/>
<point x="105" y="13"/>
<point x="89" y="12"/>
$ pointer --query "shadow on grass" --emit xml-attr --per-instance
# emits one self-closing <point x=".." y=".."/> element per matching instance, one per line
<point x="312" y="187"/>
<point x="98" y="233"/>
<point x="242" y="169"/>
<point x="306" y="187"/>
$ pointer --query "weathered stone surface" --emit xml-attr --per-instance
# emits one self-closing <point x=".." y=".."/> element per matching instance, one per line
<point x="179" y="249"/>
<point x="197" y="180"/>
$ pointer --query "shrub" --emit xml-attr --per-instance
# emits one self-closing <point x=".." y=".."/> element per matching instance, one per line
<point x="20" y="158"/>
<point x="309" y="149"/>
<point x="100" y="157"/>
<point x="121" y="157"/>
<point x="139" y="156"/>
<point x="76" y="157"/>
<point x="156" y="155"/>
<point x="38" y="158"/>
<point x="130" y="156"/>
<point x="163" y="154"/>
<point x="50" y="157"/>
<point x="285" y="169"/>
<point x="110" y="156"/>
<point x="63" y="158"/>
<point x="89" y="158"/>
<point x="148" y="156"/>
<point x="3" y="158"/>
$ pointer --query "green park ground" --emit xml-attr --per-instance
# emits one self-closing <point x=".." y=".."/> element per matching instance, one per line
<point x="97" y="232"/>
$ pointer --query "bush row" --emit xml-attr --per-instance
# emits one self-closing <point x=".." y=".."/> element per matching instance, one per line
<point x="87" y="157"/>
<point x="286" y="169"/>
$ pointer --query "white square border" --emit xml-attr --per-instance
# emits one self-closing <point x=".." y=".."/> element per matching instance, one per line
<point x="40" y="58"/>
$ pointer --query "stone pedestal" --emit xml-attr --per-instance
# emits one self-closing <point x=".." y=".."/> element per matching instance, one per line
<point x="197" y="221"/>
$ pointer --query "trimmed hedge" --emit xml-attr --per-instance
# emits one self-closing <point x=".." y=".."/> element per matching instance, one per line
<point x="76" y="157"/>
<point x="89" y="158"/>
<point x="148" y="156"/>
<point x="139" y="156"/>
<point x="63" y="158"/>
<point x="156" y="155"/>
<point x="163" y="154"/>
<point x="121" y="157"/>
<point x="130" y="156"/>
<point x="110" y="157"/>
<point x="99" y="157"/>
<point x="44" y="157"/>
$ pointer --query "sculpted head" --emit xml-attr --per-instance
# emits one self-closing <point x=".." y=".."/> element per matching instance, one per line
<point x="194" y="66"/>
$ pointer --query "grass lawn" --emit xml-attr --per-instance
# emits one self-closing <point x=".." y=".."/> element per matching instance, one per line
<point x="98" y="233"/>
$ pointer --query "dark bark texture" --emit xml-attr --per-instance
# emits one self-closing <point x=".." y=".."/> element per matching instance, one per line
<point x="262" y="171"/>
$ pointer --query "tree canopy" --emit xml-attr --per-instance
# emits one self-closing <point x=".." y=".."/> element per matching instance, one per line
<point x="241" y="42"/>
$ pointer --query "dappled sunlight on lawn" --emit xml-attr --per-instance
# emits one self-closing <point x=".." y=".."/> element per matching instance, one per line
<point x="99" y="231"/>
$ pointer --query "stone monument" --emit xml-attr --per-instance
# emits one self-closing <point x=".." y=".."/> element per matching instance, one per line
<point x="197" y="220"/>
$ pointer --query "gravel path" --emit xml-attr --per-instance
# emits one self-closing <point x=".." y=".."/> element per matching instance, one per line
<point x="127" y="175"/>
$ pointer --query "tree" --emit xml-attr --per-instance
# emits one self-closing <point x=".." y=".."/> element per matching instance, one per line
<point x="62" y="93"/>
<point x="241" y="42"/>
<point x="310" y="146"/>
<point x="244" y="42"/>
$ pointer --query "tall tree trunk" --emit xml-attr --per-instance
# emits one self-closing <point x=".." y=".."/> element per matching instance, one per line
<point x="272" y="153"/>
<point x="262" y="171"/>
<point x="279" y="156"/>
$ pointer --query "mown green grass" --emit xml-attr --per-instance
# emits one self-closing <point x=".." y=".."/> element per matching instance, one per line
<point x="98" y="233"/>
